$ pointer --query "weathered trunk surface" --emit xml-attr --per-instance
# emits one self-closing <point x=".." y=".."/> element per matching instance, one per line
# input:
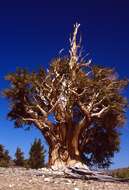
<point x="64" y="150"/>
<point x="65" y="154"/>
<point x="60" y="158"/>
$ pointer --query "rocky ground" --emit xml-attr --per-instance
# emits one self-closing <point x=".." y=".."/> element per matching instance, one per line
<point x="44" y="179"/>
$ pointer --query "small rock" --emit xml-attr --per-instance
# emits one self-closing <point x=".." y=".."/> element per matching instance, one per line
<point x="47" y="179"/>
<point x="69" y="181"/>
<point x="11" y="185"/>
<point x="56" y="182"/>
<point x="76" y="188"/>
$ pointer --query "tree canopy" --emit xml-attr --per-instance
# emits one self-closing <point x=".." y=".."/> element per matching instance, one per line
<point x="37" y="155"/>
<point x="4" y="157"/>
<point x="85" y="100"/>
<point x="19" y="157"/>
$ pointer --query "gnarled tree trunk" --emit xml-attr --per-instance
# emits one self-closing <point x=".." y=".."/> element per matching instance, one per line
<point x="65" y="152"/>
<point x="60" y="157"/>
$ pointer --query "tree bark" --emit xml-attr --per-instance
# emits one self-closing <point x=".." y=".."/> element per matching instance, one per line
<point x="66" y="152"/>
<point x="60" y="157"/>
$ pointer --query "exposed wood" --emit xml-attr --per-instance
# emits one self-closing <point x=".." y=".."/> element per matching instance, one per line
<point x="99" y="114"/>
<point x="74" y="47"/>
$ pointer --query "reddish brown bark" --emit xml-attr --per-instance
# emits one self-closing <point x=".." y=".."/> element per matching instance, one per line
<point x="66" y="150"/>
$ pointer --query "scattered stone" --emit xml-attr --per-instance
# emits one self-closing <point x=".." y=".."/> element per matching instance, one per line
<point x="11" y="185"/>
<point x="23" y="179"/>
<point x="76" y="188"/>
<point x="47" y="179"/>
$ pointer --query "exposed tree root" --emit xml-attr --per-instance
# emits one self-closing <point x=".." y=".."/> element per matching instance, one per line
<point x="81" y="171"/>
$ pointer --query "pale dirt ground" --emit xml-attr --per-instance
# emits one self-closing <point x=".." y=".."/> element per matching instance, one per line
<point x="18" y="179"/>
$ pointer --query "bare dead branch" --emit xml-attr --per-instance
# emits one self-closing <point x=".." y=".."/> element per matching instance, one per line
<point x="78" y="94"/>
<point x="87" y="64"/>
<point x="84" y="110"/>
<point x="99" y="102"/>
<point x="42" y="110"/>
<point x="74" y="47"/>
<point x="88" y="73"/>
<point x="90" y="105"/>
<point x="35" y="121"/>
<point x="53" y="107"/>
<point x="99" y="114"/>
<point x="29" y="119"/>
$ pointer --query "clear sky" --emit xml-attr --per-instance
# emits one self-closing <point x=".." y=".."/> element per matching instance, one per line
<point x="33" y="32"/>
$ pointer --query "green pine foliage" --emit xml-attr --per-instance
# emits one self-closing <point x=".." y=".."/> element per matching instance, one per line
<point x="4" y="157"/>
<point x="19" y="158"/>
<point x="36" y="155"/>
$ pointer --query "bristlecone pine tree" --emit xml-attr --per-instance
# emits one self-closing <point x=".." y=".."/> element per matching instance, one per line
<point x="4" y="157"/>
<point x="19" y="158"/>
<point x="85" y="101"/>
<point x="37" y="155"/>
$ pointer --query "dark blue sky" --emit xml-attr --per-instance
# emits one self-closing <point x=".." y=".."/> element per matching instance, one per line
<point x="33" y="32"/>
